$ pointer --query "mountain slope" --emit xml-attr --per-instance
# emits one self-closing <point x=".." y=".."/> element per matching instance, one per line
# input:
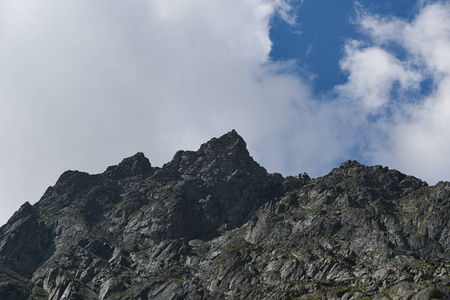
<point x="213" y="224"/>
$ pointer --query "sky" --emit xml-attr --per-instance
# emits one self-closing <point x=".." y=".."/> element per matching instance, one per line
<point x="308" y="85"/>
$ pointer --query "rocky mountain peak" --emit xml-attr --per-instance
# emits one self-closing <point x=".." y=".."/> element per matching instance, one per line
<point x="217" y="159"/>
<point x="230" y="143"/>
<point x="24" y="210"/>
<point x="377" y="181"/>
<point x="135" y="165"/>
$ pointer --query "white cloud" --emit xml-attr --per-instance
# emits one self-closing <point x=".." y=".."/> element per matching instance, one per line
<point x="86" y="83"/>
<point x="372" y="74"/>
<point x="416" y="137"/>
<point x="426" y="37"/>
<point x="285" y="10"/>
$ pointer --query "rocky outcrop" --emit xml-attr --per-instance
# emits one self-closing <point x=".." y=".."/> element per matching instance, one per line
<point x="213" y="224"/>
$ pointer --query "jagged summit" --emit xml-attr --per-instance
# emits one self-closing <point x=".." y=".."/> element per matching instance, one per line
<point x="213" y="224"/>
<point x="229" y="143"/>
<point x="135" y="165"/>
<point x="218" y="159"/>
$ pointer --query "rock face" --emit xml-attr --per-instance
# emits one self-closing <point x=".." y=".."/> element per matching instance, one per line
<point x="213" y="224"/>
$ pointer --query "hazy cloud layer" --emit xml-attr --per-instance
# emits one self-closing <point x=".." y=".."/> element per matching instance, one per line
<point x="86" y="83"/>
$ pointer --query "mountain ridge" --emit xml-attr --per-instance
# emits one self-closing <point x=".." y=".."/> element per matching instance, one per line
<point x="213" y="224"/>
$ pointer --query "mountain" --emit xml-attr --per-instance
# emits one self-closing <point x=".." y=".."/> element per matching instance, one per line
<point x="213" y="224"/>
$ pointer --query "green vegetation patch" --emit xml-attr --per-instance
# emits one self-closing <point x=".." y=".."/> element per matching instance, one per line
<point x="435" y="294"/>
<point x="386" y="294"/>
<point x="7" y="274"/>
<point x="174" y="273"/>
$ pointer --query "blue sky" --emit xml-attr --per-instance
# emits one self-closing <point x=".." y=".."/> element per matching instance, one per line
<point x="317" y="39"/>
<point x="316" y="42"/>
<point x="308" y="84"/>
<point x="322" y="28"/>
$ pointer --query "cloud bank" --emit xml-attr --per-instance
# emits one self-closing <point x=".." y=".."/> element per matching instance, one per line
<point x="413" y="119"/>
<point x="86" y="83"/>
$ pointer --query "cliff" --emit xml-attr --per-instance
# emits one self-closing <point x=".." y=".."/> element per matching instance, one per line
<point x="213" y="224"/>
